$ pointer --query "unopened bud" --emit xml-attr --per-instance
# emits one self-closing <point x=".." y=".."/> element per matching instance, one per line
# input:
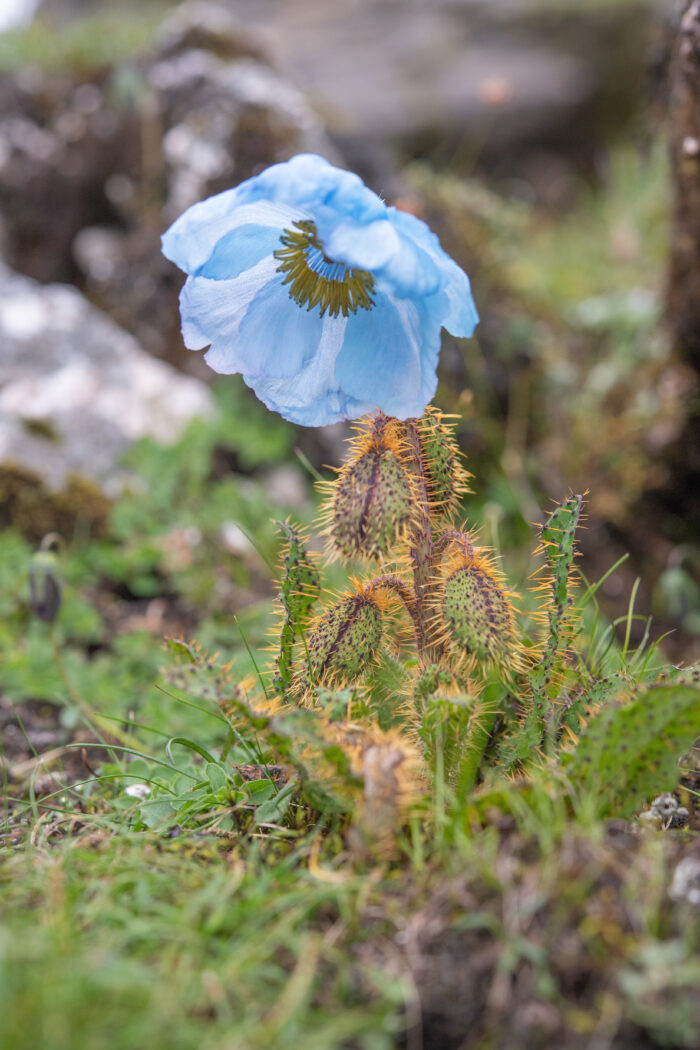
<point x="372" y="505"/>
<point x="344" y="641"/>
<point x="446" y="477"/>
<point x="44" y="581"/>
<point x="477" y="612"/>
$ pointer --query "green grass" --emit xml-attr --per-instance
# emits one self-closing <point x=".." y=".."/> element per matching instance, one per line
<point x="112" y="940"/>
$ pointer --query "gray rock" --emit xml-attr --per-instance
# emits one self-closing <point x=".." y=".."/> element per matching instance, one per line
<point x="76" y="390"/>
<point x="685" y="884"/>
<point x="94" y="166"/>
<point x="496" y="72"/>
<point x="665" y="812"/>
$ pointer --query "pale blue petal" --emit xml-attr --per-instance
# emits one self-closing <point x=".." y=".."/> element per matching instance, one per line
<point x="401" y="266"/>
<point x="367" y="247"/>
<point x="311" y="183"/>
<point x="193" y="238"/>
<point x="313" y="397"/>
<point x="212" y="312"/>
<point x="239" y="250"/>
<point x="461" y="316"/>
<point x="284" y="336"/>
<point x="380" y="360"/>
<point x="312" y="369"/>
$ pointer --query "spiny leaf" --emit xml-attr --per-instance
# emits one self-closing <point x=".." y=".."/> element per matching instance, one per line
<point x="301" y="587"/>
<point x="630" y="751"/>
<point x="558" y="544"/>
<point x="592" y="696"/>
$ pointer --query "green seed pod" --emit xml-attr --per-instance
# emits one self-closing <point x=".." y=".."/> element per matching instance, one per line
<point x="372" y="505"/>
<point x="344" y="641"/>
<point x="477" y="613"/>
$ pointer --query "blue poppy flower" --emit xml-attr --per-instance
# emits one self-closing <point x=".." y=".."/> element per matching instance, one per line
<point x="328" y="302"/>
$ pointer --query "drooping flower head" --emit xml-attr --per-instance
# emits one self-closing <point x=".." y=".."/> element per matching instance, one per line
<point x="329" y="303"/>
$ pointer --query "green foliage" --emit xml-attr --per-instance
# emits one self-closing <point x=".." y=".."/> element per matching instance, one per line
<point x="445" y="713"/>
<point x="558" y="536"/>
<point x="630" y="750"/>
<point x="300" y="588"/>
<point x="266" y="734"/>
<point x="140" y="940"/>
<point x="222" y="779"/>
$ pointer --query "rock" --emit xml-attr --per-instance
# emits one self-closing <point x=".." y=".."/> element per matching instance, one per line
<point x="665" y="812"/>
<point x="14" y="13"/>
<point x="685" y="884"/>
<point x="465" y="77"/>
<point x="75" y="392"/>
<point x="95" y="165"/>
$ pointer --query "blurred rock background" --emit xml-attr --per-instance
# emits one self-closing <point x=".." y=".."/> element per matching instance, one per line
<point x="529" y="133"/>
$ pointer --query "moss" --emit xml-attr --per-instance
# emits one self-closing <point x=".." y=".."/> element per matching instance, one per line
<point x="28" y="506"/>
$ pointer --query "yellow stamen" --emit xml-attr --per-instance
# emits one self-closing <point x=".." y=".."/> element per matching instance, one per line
<point x="315" y="280"/>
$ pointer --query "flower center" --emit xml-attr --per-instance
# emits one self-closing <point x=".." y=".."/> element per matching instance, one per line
<point x="315" y="280"/>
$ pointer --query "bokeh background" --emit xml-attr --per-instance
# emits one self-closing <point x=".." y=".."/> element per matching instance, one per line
<point x="531" y="134"/>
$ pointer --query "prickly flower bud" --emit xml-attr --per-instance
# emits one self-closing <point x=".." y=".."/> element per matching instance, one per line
<point x="372" y="505"/>
<point x="477" y="613"/>
<point x="447" y="479"/>
<point x="344" y="641"/>
<point x="44" y="580"/>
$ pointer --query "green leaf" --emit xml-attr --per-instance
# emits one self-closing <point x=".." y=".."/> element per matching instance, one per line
<point x="301" y="587"/>
<point x="153" y="814"/>
<point x="558" y="544"/>
<point x="630" y="751"/>
<point x="216" y="775"/>
<point x="274" y="810"/>
<point x="191" y="745"/>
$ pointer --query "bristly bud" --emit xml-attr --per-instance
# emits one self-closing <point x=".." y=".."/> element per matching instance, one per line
<point x="477" y="612"/>
<point x="372" y="505"/>
<point x="372" y="498"/>
<point x="447" y="479"/>
<point x="44" y="581"/>
<point x="343" y="642"/>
